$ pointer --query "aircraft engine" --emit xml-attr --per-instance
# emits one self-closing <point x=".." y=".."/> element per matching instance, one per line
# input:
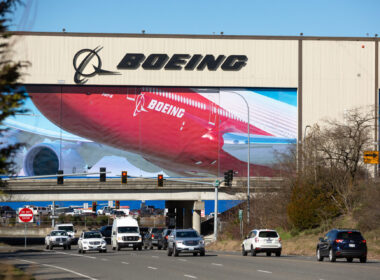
<point x="48" y="158"/>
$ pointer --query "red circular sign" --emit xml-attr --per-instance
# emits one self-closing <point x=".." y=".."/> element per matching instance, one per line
<point x="25" y="215"/>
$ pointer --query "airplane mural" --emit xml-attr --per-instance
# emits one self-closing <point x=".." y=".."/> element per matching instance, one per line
<point x="180" y="131"/>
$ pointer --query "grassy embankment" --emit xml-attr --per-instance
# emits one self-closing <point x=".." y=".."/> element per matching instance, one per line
<point x="304" y="243"/>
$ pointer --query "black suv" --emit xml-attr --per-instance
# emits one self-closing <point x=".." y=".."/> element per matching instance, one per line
<point x="342" y="243"/>
<point x="163" y="239"/>
<point x="106" y="232"/>
<point x="151" y="238"/>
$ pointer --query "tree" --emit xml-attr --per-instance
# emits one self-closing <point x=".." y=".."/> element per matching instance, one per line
<point x="334" y="154"/>
<point x="12" y="94"/>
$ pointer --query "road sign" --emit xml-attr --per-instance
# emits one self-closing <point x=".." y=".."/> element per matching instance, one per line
<point x="371" y="157"/>
<point x="240" y="214"/>
<point x="25" y="215"/>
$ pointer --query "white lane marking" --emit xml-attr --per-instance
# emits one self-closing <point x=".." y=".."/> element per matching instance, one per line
<point x="26" y="261"/>
<point x="190" y="276"/>
<point x="151" y="267"/>
<point x="217" y="264"/>
<point x="128" y="263"/>
<point x="107" y="259"/>
<point x="69" y="270"/>
<point x="264" y="271"/>
<point x="154" y="256"/>
<point x="182" y="260"/>
<point x="61" y="268"/>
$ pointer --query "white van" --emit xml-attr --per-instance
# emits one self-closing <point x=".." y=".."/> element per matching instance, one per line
<point x="126" y="233"/>
<point x="69" y="228"/>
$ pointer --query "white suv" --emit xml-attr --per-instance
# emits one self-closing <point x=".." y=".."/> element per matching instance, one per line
<point x="262" y="240"/>
<point x="91" y="241"/>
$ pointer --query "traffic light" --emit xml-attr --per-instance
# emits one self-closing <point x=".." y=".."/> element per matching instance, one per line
<point x="227" y="178"/>
<point x="160" y="180"/>
<point x="94" y="206"/>
<point x="102" y="177"/>
<point x="230" y="175"/>
<point x="117" y="204"/>
<point x="124" y="177"/>
<point x="60" y="178"/>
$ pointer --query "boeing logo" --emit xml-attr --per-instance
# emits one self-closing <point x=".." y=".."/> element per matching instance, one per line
<point x="86" y="56"/>
<point x="156" y="61"/>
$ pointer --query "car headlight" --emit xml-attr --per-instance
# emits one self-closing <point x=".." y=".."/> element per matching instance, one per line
<point x="119" y="238"/>
<point x="201" y="242"/>
<point x="179" y="242"/>
<point x="140" y="238"/>
<point x="104" y="242"/>
<point x="85" y="242"/>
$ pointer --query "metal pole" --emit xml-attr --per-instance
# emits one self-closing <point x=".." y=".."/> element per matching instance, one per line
<point x="25" y="235"/>
<point x="53" y="215"/>
<point x="249" y="158"/>
<point x="216" y="214"/>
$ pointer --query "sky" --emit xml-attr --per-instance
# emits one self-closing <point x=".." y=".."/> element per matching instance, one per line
<point x="338" y="18"/>
<point x="341" y="18"/>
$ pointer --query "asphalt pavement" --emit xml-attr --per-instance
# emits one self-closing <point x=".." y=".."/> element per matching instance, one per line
<point x="155" y="264"/>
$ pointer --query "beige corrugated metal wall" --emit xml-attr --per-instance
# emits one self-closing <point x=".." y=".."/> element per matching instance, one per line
<point x="337" y="74"/>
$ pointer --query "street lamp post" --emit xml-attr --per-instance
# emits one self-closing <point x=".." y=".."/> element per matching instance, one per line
<point x="249" y="157"/>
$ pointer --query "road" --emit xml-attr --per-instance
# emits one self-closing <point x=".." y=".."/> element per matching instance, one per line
<point x="155" y="264"/>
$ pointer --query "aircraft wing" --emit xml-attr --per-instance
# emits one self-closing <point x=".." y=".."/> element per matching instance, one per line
<point x="264" y="150"/>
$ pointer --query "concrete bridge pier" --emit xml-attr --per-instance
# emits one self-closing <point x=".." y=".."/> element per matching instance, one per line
<point x="187" y="213"/>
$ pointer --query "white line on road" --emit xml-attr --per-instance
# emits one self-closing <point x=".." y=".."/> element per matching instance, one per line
<point x="182" y="260"/>
<point x="190" y="276"/>
<point x="157" y="256"/>
<point x="151" y="267"/>
<point x="128" y="263"/>
<point x="61" y="268"/>
<point x="107" y="259"/>
<point x="217" y="264"/>
<point x="264" y="271"/>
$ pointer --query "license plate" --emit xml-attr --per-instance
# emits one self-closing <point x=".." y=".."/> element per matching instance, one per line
<point x="130" y="245"/>
<point x="351" y="245"/>
<point x="191" y="249"/>
<point x="60" y="243"/>
<point x="269" y="241"/>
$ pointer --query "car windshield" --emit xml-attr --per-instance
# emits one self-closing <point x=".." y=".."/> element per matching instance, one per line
<point x="92" y="235"/>
<point x="271" y="234"/>
<point x="157" y="230"/>
<point x="168" y="232"/>
<point x="186" y="234"/>
<point x="58" y="233"/>
<point x="353" y="235"/>
<point x="66" y="228"/>
<point x="127" y="229"/>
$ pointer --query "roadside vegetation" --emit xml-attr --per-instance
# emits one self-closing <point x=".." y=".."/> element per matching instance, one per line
<point x="329" y="187"/>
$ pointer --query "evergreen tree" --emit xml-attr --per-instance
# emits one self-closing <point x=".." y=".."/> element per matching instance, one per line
<point x="12" y="93"/>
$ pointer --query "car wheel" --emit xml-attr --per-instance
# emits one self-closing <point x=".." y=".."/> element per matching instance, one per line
<point x="79" y="251"/>
<point x="319" y="257"/>
<point x="202" y="253"/>
<point x="64" y="247"/>
<point x="100" y="251"/>
<point x="169" y="252"/>
<point x="134" y="248"/>
<point x="114" y="248"/>
<point x="363" y="259"/>
<point x="349" y="259"/>
<point x="332" y="257"/>
<point x="243" y="251"/>
<point x="69" y="247"/>
<point x="278" y="254"/>
<point x="47" y="247"/>
<point x="50" y="247"/>
<point x="140" y="248"/>
<point x="83" y="251"/>
<point x="159" y="247"/>
<point x="145" y="247"/>
<point x="175" y="252"/>
<point x="253" y="252"/>
<point x="105" y="251"/>
<point x="268" y="254"/>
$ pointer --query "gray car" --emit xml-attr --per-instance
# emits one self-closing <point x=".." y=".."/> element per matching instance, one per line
<point x="185" y="241"/>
